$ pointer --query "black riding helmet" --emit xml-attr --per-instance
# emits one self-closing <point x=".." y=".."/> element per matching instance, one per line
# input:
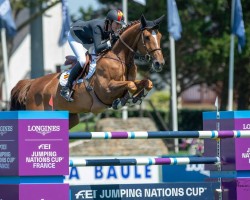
<point x="115" y="15"/>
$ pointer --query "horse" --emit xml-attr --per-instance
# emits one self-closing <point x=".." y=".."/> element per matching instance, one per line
<point x="113" y="84"/>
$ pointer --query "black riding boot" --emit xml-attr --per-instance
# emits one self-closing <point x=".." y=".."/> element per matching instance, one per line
<point x="66" y="90"/>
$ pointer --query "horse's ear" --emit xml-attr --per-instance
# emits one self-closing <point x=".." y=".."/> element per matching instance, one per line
<point x="143" y="22"/>
<point x="159" y="20"/>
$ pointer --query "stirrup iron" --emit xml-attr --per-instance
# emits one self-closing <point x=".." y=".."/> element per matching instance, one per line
<point x="66" y="93"/>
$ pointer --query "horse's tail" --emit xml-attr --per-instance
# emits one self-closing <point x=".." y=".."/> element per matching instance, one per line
<point x="19" y="93"/>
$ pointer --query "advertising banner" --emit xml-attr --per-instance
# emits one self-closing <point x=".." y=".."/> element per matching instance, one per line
<point x="112" y="174"/>
<point x="187" y="191"/>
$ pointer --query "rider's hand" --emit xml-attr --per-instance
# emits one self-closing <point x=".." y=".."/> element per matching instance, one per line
<point x="113" y="38"/>
<point x="106" y="47"/>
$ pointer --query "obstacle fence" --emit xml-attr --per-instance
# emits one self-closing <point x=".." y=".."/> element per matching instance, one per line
<point x="160" y="135"/>
<point x="35" y="144"/>
<point x="145" y="161"/>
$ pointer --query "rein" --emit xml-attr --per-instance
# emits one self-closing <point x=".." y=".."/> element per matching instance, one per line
<point x="147" y="57"/>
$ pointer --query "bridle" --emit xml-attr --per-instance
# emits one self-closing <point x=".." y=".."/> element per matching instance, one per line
<point x="147" y="57"/>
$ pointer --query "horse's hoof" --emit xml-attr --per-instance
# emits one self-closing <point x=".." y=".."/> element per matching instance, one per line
<point x="115" y="104"/>
<point x="135" y="100"/>
<point x="138" y="102"/>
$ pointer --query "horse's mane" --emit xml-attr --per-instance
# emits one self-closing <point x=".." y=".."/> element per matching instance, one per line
<point x="122" y="30"/>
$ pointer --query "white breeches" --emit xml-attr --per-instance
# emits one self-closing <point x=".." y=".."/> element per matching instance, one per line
<point x="80" y="53"/>
<point x="78" y="49"/>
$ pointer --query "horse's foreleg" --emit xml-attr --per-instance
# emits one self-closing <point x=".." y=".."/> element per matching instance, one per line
<point x="143" y="87"/>
<point x="121" y="87"/>
<point x="141" y="84"/>
<point x="137" y="91"/>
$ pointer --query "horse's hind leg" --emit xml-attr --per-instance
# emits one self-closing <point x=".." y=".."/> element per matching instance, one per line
<point x="73" y="120"/>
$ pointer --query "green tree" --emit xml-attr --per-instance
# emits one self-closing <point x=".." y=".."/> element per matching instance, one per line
<point x="206" y="37"/>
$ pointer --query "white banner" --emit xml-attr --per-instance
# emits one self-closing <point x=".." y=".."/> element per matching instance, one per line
<point x="112" y="174"/>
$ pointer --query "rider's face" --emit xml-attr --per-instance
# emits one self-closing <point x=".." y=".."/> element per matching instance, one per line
<point x="115" y="26"/>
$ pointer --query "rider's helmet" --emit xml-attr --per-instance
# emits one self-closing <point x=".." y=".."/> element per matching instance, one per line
<point x="115" y="15"/>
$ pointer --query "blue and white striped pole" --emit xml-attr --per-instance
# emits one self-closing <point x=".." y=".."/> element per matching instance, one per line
<point x="160" y="134"/>
<point x="144" y="161"/>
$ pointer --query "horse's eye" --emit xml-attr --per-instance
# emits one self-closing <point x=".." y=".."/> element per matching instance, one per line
<point x="147" y="38"/>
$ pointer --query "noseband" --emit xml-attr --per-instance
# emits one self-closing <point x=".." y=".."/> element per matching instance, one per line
<point x="147" y="57"/>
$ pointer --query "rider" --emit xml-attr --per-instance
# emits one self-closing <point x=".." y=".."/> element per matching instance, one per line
<point x="84" y="33"/>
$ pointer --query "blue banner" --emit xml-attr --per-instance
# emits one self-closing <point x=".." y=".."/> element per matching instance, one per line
<point x="238" y="25"/>
<point x="6" y="19"/>
<point x="174" y="22"/>
<point x="66" y="23"/>
<point x="186" y="173"/>
<point x="174" y="191"/>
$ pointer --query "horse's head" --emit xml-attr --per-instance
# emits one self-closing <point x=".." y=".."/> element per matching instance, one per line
<point x="149" y="45"/>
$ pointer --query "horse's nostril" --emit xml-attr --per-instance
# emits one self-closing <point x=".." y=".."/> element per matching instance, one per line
<point x="157" y="66"/>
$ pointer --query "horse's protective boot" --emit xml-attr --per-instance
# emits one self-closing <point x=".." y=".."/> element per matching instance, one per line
<point x="66" y="91"/>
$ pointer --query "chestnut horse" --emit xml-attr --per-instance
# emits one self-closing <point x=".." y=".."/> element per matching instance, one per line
<point x="113" y="84"/>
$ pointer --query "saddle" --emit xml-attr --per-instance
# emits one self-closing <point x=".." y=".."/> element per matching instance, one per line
<point x="71" y="60"/>
<point x="97" y="104"/>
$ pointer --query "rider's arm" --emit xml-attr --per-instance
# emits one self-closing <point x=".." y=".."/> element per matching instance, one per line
<point x="97" y="37"/>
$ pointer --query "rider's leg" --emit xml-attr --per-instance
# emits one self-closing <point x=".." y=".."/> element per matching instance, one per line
<point x="80" y="53"/>
<point x="67" y="91"/>
<point x="92" y="66"/>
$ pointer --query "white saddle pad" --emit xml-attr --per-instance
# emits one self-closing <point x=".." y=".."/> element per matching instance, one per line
<point x="65" y="75"/>
<point x="64" y="78"/>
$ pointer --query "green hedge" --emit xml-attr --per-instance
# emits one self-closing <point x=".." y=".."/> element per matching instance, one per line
<point x="189" y="120"/>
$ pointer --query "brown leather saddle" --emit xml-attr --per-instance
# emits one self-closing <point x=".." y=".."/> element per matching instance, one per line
<point x="97" y="104"/>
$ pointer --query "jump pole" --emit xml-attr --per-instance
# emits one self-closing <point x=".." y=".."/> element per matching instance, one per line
<point x="145" y="161"/>
<point x="160" y="134"/>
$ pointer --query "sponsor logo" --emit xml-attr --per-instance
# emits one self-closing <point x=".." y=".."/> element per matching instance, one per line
<point x="246" y="126"/>
<point x="197" y="168"/>
<point x="43" y="129"/>
<point x="246" y="155"/>
<point x="82" y="194"/>
<point x="5" y="129"/>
